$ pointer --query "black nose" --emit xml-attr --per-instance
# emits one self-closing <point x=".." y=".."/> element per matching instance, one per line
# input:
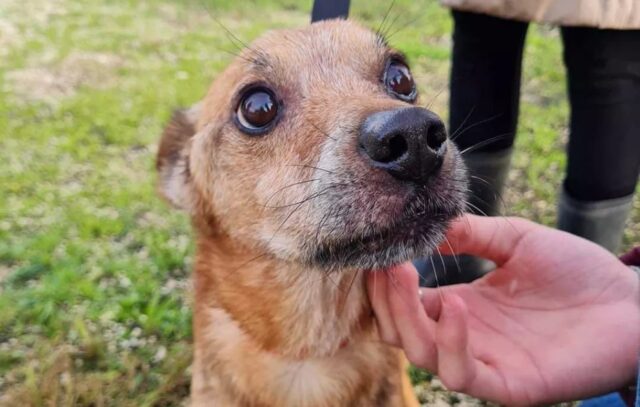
<point x="408" y="143"/>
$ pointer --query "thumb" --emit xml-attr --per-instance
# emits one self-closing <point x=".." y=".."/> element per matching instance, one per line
<point x="494" y="238"/>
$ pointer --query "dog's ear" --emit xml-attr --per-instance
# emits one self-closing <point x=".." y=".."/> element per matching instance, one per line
<point x="172" y="161"/>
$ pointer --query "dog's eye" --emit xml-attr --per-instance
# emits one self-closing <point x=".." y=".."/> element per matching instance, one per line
<point x="399" y="81"/>
<point x="257" y="110"/>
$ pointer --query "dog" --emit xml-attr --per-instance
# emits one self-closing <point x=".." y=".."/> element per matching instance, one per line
<point x="308" y="162"/>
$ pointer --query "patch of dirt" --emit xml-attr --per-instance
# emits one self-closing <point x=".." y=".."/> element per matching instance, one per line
<point x="54" y="83"/>
<point x="21" y="19"/>
<point x="4" y="273"/>
<point x="8" y="37"/>
<point x="432" y="393"/>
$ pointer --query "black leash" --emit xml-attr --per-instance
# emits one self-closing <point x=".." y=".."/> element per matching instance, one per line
<point x="328" y="9"/>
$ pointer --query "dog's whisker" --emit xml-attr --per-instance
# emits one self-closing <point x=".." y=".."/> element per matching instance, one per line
<point x="468" y="204"/>
<point x="434" y="98"/>
<point x="403" y="26"/>
<point x="287" y="187"/>
<point x="471" y="126"/>
<point x="245" y="264"/>
<point x="444" y="266"/>
<point x="328" y="216"/>
<point x="299" y="205"/>
<point x="310" y="197"/>
<point x="484" y="181"/>
<point x="324" y="133"/>
<point x="388" y="36"/>
<point x="453" y="254"/>
<point x="435" y="275"/>
<point x="335" y="224"/>
<point x="497" y="193"/>
<point x="303" y="201"/>
<point x="421" y="278"/>
<point x="475" y="208"/>
<point x="461" y="126"/>
<point x="484" y="143"/>
<point x="238" y="55"/>
<point x="242" y="46"/>
<point x="311" y="167"/>
<point x="380" y="30"/>
<point x="439" y="288"/>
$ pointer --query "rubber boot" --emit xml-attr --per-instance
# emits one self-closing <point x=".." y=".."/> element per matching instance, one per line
<point x="602" y="222"/>
<point x="329" y="9"/>
<point x="487" y="175"/>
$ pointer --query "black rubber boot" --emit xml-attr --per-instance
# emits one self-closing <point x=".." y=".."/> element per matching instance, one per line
<point x="602" y="222"/>
<point x="487" y="176"/>
<point x="329" y="9"/>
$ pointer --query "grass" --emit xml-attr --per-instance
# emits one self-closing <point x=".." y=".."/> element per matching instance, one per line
<point x="94" y="291"/>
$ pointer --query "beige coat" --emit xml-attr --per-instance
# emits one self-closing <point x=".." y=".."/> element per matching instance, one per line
<point x="618" y="14"/>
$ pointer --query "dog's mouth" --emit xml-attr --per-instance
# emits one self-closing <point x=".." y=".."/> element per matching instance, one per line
<point x="413" y="234"/>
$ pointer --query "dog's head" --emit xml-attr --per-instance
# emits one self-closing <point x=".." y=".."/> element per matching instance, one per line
<point x="313" y="148"/>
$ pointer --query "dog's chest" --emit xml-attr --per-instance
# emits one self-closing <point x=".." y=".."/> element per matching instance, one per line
<point x="356" y="375"/>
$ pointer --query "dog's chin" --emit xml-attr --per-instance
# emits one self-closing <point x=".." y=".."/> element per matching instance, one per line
<point x="409" y="238"/>
<point x="409" y="232"/>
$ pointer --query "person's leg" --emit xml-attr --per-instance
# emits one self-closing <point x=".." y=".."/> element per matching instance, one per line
<point x="603" y="68"/>
<point x="485" y="99"/>
<point x="483" y="116"/>
<point x="485" y="80"/>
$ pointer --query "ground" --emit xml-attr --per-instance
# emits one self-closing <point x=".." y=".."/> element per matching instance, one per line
<point x="94" y="267"/>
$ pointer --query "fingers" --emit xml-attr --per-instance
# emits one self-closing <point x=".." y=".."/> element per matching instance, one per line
<point x="402" y="320"/>
<point x="494" y="238"/>
<point x="458" y="368"/>
<point x="456" y="365"/>
<point x="415" y="329"/>
<point x="431" y="302"/>
<point x="377" y="286"/>
<point x="409" y="320"/>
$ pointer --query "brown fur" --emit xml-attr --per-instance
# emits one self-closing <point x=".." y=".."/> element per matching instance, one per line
<point x="273" y="328"/>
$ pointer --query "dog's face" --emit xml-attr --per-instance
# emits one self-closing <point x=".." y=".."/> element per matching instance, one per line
<point x="312" y="147"/>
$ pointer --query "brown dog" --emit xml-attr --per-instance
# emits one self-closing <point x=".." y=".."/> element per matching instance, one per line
<point x="307" y="163"/>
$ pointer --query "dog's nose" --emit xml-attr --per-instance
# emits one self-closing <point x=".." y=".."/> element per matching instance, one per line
<point x="408" y="143"/>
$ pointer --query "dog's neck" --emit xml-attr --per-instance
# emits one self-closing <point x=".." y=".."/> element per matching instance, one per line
<point x="283" y="307"/>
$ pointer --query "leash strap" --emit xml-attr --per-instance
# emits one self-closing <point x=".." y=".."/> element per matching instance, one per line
<point x="328" y="9"/>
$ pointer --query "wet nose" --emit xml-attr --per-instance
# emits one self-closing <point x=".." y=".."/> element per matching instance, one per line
<point x="408" y="143"/>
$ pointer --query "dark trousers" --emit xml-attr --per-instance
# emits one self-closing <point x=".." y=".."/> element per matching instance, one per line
<point x="603" y="70"/>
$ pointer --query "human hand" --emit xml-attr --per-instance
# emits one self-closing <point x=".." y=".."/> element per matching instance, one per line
<point x="559" y="318"/>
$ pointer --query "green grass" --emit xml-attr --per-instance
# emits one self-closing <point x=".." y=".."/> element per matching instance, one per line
<point x="94" y="290"/>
